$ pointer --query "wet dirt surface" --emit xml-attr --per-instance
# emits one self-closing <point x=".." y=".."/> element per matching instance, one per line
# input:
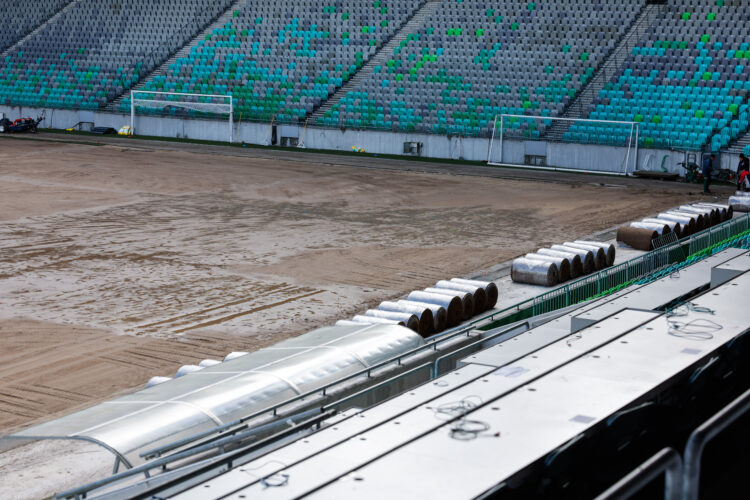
<point x="121" y="263"/>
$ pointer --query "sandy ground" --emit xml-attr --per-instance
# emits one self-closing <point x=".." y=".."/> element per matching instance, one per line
<point x="120" y="263"/>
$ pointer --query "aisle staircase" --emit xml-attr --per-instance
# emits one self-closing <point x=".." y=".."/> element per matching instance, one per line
<point x="380" y="58"/>
<point x="184" y="51"/>
<point x="582" y="105"/>
<point x="740" y="144"/>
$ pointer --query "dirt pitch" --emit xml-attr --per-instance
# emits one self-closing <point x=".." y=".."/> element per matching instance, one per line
<point x="125" y="260"/>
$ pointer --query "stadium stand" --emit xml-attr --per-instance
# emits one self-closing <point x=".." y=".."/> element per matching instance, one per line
<point x="471" y="61"/>
<point x="282" y="60"/>
<point x="20" y="17"/>
<point x="444" y="67"/>
<point x="686" y="82"/>
<point x="92" y="52"/>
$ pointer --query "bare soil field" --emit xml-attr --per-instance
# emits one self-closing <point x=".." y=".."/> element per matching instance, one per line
<point x="121" y="262"/>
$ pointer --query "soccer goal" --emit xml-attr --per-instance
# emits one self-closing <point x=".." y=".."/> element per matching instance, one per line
<point x="524" y="141"/>
<point x="203" y="103"/>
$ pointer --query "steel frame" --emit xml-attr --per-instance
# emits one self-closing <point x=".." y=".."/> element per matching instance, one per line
<point x="172" y="103"/>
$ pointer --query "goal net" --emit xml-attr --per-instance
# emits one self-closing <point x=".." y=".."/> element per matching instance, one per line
<point x="538" y="142"/>
<point x="171" y="103"/>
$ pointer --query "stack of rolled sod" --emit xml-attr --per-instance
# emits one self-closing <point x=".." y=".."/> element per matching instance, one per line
<point x="710" y="217"/>
<point x="453" y="305"/>
<point x="640" y="238"/>
<point x="712" y="214"/>
<point x="559" y="263"/>
<point x="466" y="298"/>
<point x="740" y="202"/>
<point x="605" y="253"/>
<point x="725" y="211"/>
<point x="535" y="272"/>
<point x="460" y="299"/>
<point x="688" y="222"/>
<point x="682" y="221"/>
<point x="425" y="315"/>
<point x="587" y="256"/>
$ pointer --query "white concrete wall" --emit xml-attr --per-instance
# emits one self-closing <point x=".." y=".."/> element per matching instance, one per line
<point x="577" y="156"/>
<point x="383" y="142"/>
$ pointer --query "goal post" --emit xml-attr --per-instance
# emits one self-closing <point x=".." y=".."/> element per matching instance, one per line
<point x="525" y="129"/>
<point x="203" y="103"/>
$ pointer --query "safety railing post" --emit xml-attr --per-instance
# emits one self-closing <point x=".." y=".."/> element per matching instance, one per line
<point x="666" y="461"/>
<point x="701" y="436"/>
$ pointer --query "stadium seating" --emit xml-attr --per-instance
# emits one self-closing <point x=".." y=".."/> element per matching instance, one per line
<point x="280" y="60"/>
<point x="472" y="60"/>
<point x="19" y="17"/>
<point x="94" y="51"/>
<point x="686" y="82"/>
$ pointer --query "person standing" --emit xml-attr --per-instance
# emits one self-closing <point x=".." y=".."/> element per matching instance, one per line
<point x="743" y="166"/>
<point x="744" y="182"/>
<point x="708" y="168"/>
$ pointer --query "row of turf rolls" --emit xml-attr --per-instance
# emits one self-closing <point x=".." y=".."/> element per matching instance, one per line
<point x="740" y="202"/>
<point x="432" y="310"/>
<point x="683" y="221"/>
<point x="560" y="263"/>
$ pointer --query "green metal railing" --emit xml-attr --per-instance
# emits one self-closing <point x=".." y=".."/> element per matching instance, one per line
<point x="648" y="267"/>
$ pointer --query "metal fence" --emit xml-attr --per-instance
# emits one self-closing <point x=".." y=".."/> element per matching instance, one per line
<point x="652" y="265"/>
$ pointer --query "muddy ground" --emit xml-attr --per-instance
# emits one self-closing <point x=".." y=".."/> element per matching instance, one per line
<point x="123" y="261"/>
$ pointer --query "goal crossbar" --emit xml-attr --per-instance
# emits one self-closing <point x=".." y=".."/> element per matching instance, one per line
<point x="161" y="102"/>
<point x="500" y="134"/>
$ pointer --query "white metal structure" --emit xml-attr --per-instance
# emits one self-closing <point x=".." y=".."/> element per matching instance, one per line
<point x="473" y="428"/>
<point x="498" y="134"/>
<point x="212" y="397"/>
<point x="187" y="101"/>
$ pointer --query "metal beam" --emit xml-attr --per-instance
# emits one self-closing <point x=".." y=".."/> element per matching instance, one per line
<point x="667" y="461"/>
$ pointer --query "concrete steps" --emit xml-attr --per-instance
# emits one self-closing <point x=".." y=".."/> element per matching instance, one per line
<point x="582" y="105"/>
<point x="223" y="18"/>
<point x="737" y="146"/>
<point x="380" y="57"/>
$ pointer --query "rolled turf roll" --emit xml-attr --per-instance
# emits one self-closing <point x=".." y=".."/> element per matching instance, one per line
<point x="454" y="306"/>
<point x="467" y="299"/>
<point x="576" y="265"/>
<point x="410" y="320"/>
<point x="687" y="224"/>
<point x="534" y="272"/>
<point x="724" y="210"/>
<point x="637" y="238"/>
<point x="424" y="314"/>
<point x="713" y="216"/>
<point x="717" y="216"/>
<point x="701" y="221"/>
<point x="609" y="249"/>
<point x="659" y="228"/>
<point x="439" y="314"/>
<point x="480" y="296"/>
<point x="563" y="264"/>
<point x="587" y="257"/>
<point x="673" y="225"/>
<point x="740" y="202"/>
<point x="600" y="256"/>
<point x="489" y="288"/>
